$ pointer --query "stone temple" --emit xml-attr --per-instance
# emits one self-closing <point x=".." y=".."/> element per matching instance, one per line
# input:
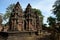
<point x="24" y="21"/>
<point x="23" y="25"/>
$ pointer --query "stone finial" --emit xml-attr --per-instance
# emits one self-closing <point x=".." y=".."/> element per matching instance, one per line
<point x="17" y="3"/>
<point x="17" y="6"/>
<point x="28" y="8"/>
<point x="28" y="5"/>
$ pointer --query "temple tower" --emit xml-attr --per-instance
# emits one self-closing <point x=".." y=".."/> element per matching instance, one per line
<point x="16" y="18"/>
<point x="30" y="20"/>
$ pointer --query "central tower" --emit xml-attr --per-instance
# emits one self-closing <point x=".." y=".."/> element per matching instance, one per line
<point x="30" y="20"/>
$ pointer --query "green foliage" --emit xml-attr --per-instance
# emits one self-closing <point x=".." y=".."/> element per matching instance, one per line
<point x="8" y="11"/>
<point x="51" y="20"/>
<point x="44" y="26"/>
<point x="56" y="9"/>
<point x="39" y="14"/>
<point x="38" y="11"/>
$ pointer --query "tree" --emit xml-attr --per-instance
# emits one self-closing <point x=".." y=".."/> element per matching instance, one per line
<point x="38" y="11"/>
<point x="8" y="11"/>
<point x="44" y="26"/>
<point x="56" y="9"/>
<point x="51" y="21"/>
<point x="7" y="14"/>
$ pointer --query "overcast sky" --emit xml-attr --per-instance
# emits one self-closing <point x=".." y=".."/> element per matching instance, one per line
<point x="44" y="5"/>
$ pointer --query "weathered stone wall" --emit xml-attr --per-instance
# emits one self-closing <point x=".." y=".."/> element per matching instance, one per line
<point x="22" y="36"/>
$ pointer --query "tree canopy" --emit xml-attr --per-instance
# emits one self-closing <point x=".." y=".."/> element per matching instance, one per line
<point x="53" y="21"/>
<point x="8" y="11"/>
<point x="38" y="11"/>
<point x="56" y="9"/>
